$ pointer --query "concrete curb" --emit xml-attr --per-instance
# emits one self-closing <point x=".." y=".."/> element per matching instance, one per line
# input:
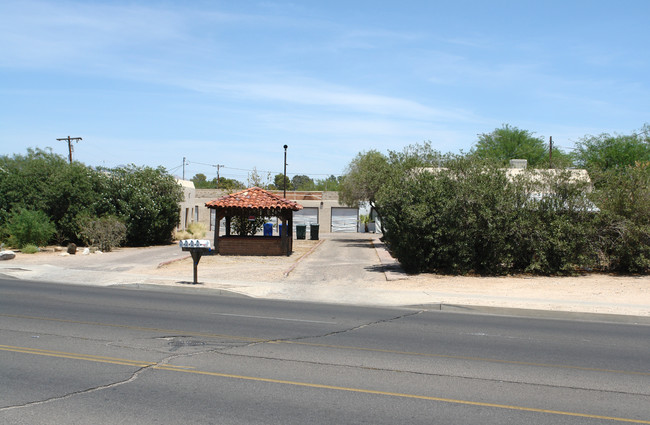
<point x="164" y="263"/>
<point x="392" y="268"/>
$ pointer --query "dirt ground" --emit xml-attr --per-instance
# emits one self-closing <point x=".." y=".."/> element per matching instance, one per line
<point x="272" y="277"/>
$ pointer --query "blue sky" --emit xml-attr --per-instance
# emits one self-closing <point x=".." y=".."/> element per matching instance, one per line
<point x="231" y="82"/>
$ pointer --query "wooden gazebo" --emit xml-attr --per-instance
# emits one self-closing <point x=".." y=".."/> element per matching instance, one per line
<point x="253" y="202"/>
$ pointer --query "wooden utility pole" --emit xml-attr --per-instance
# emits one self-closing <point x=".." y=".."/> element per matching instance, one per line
<point x="70" y="149"/>
<point x="218" y="179"/>
<point x="550" y="152"/>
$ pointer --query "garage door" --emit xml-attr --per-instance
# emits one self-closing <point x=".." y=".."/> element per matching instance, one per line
<point x="307" y="216"/>
<point x="344" y="219"/>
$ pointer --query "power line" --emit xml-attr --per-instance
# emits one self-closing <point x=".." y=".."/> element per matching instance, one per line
<point x="263" y="171"/>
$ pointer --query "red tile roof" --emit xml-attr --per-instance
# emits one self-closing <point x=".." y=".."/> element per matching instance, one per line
<point x="254" y="198"/>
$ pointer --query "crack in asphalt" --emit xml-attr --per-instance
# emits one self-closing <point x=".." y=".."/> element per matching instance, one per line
<point x="224" y="351"/>
<point x="132" y="378"/>
<point x="365" y="325"/>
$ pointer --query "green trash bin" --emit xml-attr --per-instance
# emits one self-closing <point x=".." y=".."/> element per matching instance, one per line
<point x="301" y="231"/>
<point x="313" y="232"/>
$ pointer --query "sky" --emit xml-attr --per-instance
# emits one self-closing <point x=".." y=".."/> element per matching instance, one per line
<point x="229" y="83"/>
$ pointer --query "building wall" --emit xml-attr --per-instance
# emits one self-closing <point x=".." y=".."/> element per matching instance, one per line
<point x="324" y="201"/>
<point x="189" y="207"/>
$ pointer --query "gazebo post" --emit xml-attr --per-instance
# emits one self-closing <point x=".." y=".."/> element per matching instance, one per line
<point x="217" y="218"/>
<point x="284" y="232"/>
<point x="289" y="233"/>
<point x="216" y="234"/>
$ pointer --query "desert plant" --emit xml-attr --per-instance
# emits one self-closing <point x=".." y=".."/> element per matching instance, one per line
<point x="180" y="235"/>
<point x="29" y="227"/>
<point x="365" y="220"/>
<point x="105" y="232"/>
<point x="29" y="249"/>
<point x="197" y="230"/>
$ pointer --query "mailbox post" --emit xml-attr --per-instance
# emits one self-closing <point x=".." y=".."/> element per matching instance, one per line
<point x="197" y="248"/>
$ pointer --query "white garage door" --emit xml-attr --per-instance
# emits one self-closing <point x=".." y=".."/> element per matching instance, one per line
<point x="307" y="216"/>
<point x="344" y="219"/>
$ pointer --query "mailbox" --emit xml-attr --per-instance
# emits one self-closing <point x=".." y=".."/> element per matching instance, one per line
<point x="197" y="248"/>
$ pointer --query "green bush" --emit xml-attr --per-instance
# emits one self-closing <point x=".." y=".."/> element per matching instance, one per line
<point x="623" y="226"/>
<point x="624" y="246"/>
<point x="105" y="233"/>
<point x="44" y="181"/>
<point x="470" y="218"/>
<point x="29" y="249"/>
<point x="146" y="199"/>
<point x="29" y="227"/>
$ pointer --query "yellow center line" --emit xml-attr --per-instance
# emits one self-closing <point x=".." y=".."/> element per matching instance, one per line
<point x="76" y="356"/>
<point x="333" y="346"/>
<point x="172" y="368"/>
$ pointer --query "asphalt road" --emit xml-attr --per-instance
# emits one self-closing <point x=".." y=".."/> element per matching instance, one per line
<point x="89" y="355"/>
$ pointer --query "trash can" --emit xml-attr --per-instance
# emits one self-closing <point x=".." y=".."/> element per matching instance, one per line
<point x="313" y="232"/>
<point x="301" y="231"/>
<point x="280" y="229"/>
<point x="268" y="229"/>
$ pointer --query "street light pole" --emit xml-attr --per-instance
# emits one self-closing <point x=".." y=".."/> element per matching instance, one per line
<point x="284" y="183"/>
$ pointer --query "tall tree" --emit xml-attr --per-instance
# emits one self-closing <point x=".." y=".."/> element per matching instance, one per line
<point x="302" y="182"/>
<point x="281" y="183"/>
<point x="364" y="177"/>
<point x="506" y="143"/>
<point x="329" y="184"/>
<point x="201" y="182"/>
<point x="604" y="152"/>
<point x="230" y="184"/>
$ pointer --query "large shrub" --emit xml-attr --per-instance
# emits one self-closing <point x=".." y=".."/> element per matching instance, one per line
<point x="470" y="217"/>
<point x="623" y="227"/>
<point x="29" y="227"/>
<point x="453" y="220"/>
<point x="42" y="180"/>
<point x="146" y="199"/>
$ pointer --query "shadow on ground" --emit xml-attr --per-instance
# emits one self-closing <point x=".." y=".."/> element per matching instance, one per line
<point x="382" y="268"/>
<point x="356" y="243"/>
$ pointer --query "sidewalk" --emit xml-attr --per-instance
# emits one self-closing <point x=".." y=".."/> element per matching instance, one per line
<point x="344" y="268"/>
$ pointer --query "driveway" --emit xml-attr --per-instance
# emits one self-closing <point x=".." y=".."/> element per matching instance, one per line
<point x="341" y="257"/>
